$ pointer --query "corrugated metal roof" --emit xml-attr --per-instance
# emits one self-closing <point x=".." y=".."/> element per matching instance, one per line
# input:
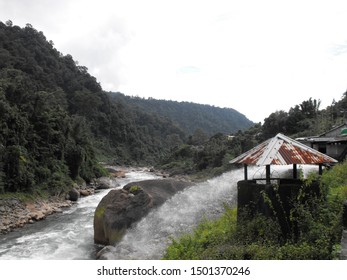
<point x="336" y="129"/>
<point x="282" y="150"/>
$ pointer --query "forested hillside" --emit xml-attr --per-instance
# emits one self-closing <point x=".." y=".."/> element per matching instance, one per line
<point x="209" y="157"/>
<point x="191" y="116"/>
<point x="305" y="119"/>
<point x="316" y="219"/>
<point x="57" y="123"/>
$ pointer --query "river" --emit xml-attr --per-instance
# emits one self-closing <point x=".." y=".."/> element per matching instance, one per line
<point x="69" y="235"/>
<point x="62" y="236"/>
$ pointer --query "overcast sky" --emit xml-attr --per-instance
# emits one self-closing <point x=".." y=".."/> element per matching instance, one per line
<point x="254" y="56"/>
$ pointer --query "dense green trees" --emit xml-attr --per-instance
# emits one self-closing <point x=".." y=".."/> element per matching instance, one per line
<point x="208" y="156"/>
<point x="304" y="119"/>
<point x="190" y="116"/>
<point x="56" y="121"/>
<point x="36" y="123"/>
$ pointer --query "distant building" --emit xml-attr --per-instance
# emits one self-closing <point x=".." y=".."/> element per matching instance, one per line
<point x="332" y="143"/>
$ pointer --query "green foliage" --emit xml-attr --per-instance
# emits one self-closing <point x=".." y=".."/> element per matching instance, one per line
<point x="39" y="135"/>
<point x="99" y="212"/>
<point x="207" y="234"/>
<point x="336" y="177"/>
<point x="134" y="189"/>
<point x="56" y="121"/>
<point x="18" y="166"/>
<point x="2" y="174"/>
<point x="304" y="119"/>
<point x="316" y="229"/>
<point x="100" y="171"/>
<point x="191" y="117"/>
<point x="210" y="158"/>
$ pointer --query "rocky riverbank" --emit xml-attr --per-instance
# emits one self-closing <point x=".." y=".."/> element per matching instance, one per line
<point x="15" y="213"/>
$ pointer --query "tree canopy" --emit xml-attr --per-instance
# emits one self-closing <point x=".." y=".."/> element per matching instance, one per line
<point x="56" y="122"/>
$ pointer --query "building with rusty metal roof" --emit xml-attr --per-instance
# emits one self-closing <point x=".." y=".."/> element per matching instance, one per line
<point x="332" y="143"/>
<point x="282" y="150"/>
<point x="275" y="196"/>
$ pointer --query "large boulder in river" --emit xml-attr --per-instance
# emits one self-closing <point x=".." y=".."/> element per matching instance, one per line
<point x="104" y="183"/>
<point x="73" y="195"/>
<point x="120" y="208"/>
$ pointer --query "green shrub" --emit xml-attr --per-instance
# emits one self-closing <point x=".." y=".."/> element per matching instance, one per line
<point x="100" y="171"/>
<point x="207" y="234"/>
<point x="134" y="189"/>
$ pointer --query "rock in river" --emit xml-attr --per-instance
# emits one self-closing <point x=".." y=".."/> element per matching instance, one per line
<point x="120" y="208"/>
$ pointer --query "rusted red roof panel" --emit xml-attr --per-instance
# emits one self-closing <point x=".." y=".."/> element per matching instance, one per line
<point x="252" y="156"/>
<point x="282" y="150"/>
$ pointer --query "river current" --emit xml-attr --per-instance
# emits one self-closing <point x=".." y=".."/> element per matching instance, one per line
<point x="69" y="235"/>
<point x="62" y="236"/>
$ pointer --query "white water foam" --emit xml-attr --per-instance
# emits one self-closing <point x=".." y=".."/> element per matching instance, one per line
<point x="149" y="238"/>
<point x="70" y="235"/>
<point x="63" y="236"/>
<point x="180" y="214"/>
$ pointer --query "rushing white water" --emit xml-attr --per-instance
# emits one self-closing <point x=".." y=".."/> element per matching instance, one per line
<point x="67" y="235"/>
<point x="149" y="238"/>
<point x="180" y="214"/>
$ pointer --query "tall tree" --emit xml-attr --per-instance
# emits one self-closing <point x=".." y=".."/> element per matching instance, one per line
<point x="310" y="107"/>
<point x="275" y="123"/>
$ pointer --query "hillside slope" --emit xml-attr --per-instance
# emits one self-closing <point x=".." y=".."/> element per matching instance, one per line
<point x="56" y="121"/>
<point x="191" y="116"/>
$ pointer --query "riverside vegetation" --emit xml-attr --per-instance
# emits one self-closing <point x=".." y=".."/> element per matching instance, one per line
<point x="317" y="221"/>
<point x="57" y="124"/>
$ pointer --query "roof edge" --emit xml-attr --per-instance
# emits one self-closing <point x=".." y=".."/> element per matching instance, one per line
<point x="268" y="152"/>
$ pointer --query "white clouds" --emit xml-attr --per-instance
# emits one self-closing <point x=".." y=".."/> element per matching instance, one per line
<point x="188" y="70"/>
<point x="253" y="56"/>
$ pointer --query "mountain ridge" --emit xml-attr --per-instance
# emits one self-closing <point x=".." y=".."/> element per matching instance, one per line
<point x="190" y="116"/>
<point x="57" y="122"/>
